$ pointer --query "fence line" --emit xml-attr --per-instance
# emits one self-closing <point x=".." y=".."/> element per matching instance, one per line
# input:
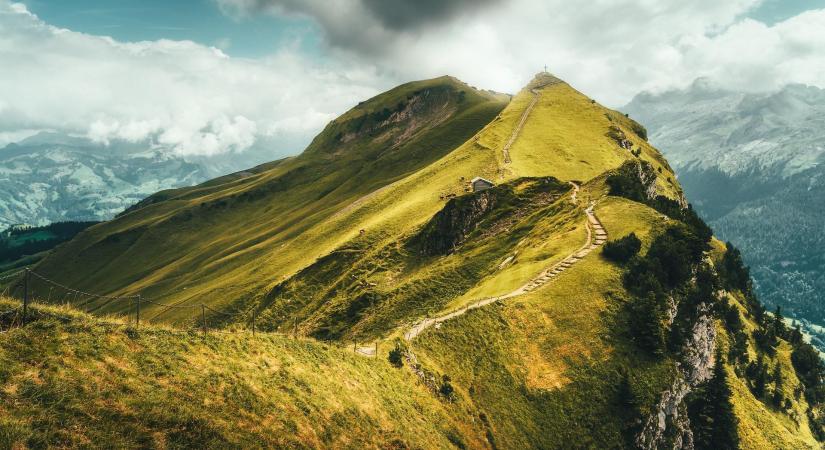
<point x="77" y="291"/>
<point x="369" y="351"/>
<point x="6" y="277"/>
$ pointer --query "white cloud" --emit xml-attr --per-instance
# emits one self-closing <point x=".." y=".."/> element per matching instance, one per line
<point x="197" y="100"/>
<point x="188" y="97"/>
<point x="751" y="56"/>
<point x="610" y="49"/>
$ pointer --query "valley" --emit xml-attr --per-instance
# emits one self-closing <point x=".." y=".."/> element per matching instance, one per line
<point x="751" y="163"/>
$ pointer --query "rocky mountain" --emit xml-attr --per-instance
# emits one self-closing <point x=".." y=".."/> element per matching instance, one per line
<point x="372" y="293"/>
<point x="753" y="166"/>
<point x="52" y="177"/>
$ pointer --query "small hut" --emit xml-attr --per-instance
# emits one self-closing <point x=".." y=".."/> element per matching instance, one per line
<point x="481" y="184"/>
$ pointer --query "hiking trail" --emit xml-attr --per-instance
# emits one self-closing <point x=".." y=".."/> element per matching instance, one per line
<point x="594" y="228"/>
<point x="517" y="130"/>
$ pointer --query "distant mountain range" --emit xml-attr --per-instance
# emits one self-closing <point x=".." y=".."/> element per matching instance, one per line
<point x="52" y="177"/>
<point x="752" y="164"/>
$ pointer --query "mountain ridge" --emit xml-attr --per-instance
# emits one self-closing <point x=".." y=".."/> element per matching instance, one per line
<point x="658" y="343"/>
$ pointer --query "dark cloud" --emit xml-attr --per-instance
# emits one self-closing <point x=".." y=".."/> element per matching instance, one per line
<point x="405" y="15"/>
<point x="364" y="26"/>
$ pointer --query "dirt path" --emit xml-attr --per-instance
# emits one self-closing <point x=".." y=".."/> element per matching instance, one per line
<point x="594" y="228"/>
<point x="517" y="130"/>
<point x="369" y="351"/>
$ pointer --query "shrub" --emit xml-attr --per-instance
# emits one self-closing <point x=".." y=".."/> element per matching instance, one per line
<point x="626" y="181"/>
<point x="668" y="263"/>
<point x="809" y="368"/>
<point x="638" y="129"/>
<point x="621" y="250"/>
<point x="396" y="356"/>
<point x="648" y="323"/>
<point x="446" y="388"/>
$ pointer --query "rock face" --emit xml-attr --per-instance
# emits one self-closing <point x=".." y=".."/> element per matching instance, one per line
<point x="669" y="426"/>
<point x="451" y="226"/>
<point x="648" y="178"/>
<point x="394" y="124"/>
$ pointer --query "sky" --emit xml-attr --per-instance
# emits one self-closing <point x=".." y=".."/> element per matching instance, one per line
<point x="209" y="77"/>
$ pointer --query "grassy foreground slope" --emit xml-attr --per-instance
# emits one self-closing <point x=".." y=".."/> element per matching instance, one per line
<point x="72" y="380"/>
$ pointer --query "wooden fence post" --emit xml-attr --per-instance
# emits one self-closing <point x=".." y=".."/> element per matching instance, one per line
<point x="253" y="322"/>
<point x="376" y="349"/>
<point x="25" y="296"/>
<point x="203" y="317"/>
<point x="137" y="318"/>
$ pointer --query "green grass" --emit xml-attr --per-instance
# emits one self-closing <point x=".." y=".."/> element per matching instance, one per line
<point x="320" y="242"/>
<point x="761" y="426"/>
<point x="569" y="142"/>
<point x="71" y="380"/>
<point x="544" y="367"/>
<point x="210" y="239"/>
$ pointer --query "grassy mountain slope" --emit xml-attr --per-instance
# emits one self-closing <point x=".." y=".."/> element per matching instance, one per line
<point x="353" y="241"/>
<point x="210" y="238"/>
<point x="231" y="241"/>
<point x="526" y="363"/>
<point x="72" y="380"/>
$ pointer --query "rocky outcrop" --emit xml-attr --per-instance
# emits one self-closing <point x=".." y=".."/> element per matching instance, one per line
<point x="648" y="178"/>
<point x="635" y="180"/>
<point x="425" y="108"/>
<point x="620" y="137"/>
<point x="669" y="426"/>
<point x="451" y="226"/>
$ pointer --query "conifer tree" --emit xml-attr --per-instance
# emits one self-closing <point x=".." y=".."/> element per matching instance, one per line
<point x="712" y="418"/>
<point x="777" y="387"/>
<point x="648" y="324"/>
<point x="778" y="323"/>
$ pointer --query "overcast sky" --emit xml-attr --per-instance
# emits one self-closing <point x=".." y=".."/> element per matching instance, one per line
<point x="214" y="76"/>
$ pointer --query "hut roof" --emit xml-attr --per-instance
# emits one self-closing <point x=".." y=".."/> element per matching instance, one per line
<point x="481" y="179"/>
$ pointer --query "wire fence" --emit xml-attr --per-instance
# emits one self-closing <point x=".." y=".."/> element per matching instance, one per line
<point x="83" y="298"/>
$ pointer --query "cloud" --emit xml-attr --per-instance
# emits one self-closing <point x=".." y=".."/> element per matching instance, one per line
<point x="394" y="15"/>
<point x="752" y="56"/>
<point x="365" y="26"/>
<point x="195" y="99"/>
<point x="406" y="15"/>
<point x="610" y="49"/>
<point x="191" y="98"/>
